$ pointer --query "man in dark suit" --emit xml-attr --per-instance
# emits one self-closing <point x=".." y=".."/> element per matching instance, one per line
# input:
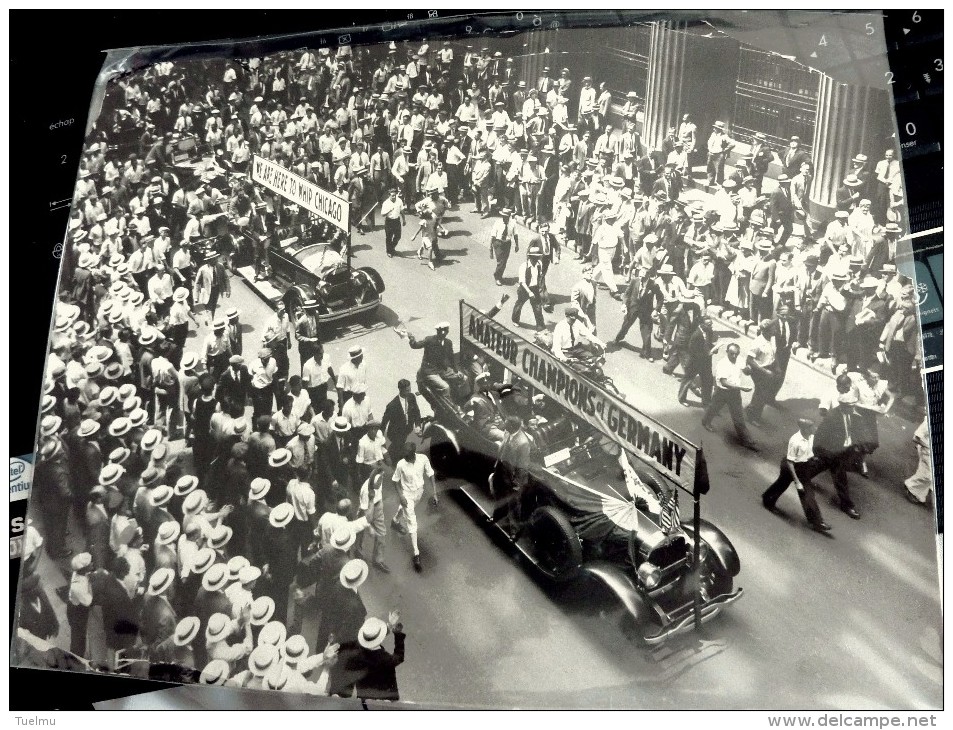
<point x="335" y="462"/>
<point x="377" y="666"/>
<point x="234" y="386"/>
<point x="670" y="183"/>
<point x="836" y="448"/>
<point x="793" y="157"/>
<point x="639" y="303"/>
<point x="401" y="417"/>
<point x="781" y="210"/>
<point x="699" y="362"/>
<point x="784" y="329"/>
<point x="864" y="325"/>
<point x="116" y="592"/>
<point x="511" y="473"/>
<point x="158" y="617"/>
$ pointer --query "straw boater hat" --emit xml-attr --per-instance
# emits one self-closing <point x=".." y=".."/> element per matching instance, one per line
<point x="108" y="395"/>
<point x="219" y="536"/>
<point x="281" y="515"/>
<point x="273" y="633"/>
<point x="216" y="672"/>
<point x="185" y="485"/>
<point x="189" y="361"/>
<point x="372" y="633"/>
<point x="161" y="495"/>
<point x="186" y="630"/>
<point x="219" y="627"/>
<point x="126" y="390"/>
<point x="204" y="559"/>
<point x="120" y="427"/>
<point x="249" y="574"/>
<point x="138" y="417"/>
<point x="48" y="403"/>
<point x="262" y="609"/>
<point x="262" y="659"/>
<point x="354" y="573"/>
<point x="235" y="565"/>
<point x="343" y="538"/>
<point x="151" y="439"/>
<point x="340" y="425"/>
<point x="50" y="425"/>
<point x="279" y="457"/>
<point x="168" y="532"/>
<point x="295" y="649"/>
<point x="215" y="578"/>
<point x="195" y="502"/>
<point x="94" y="369"/>
<point x="258" y="488"/>
<point x="160" y="581"/>
<point x="119" y="455"/>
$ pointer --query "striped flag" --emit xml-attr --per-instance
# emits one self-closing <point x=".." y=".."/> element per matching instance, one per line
<point x="670" y="517"/>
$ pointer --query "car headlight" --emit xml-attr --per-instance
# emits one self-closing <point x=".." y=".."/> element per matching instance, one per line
<point x="650" y="575"/>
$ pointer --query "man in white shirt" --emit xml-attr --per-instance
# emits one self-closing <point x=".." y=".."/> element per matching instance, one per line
<point x="352" y="374"/>
<point x="571" y="338"/>
<point x="761" y="361"/>
<point x="411" y="475"/>
<point x="263" y="371"/>
<point x="371" y="504"/>
<point x="392" y="210"/>
<point x="798" y="468"/>
<point x="607" y="238"/>
<point x="301" y="497"/>
<point x="79" y="599"/>
<point x="728" y="389"/>
<point x="371" y="448"/>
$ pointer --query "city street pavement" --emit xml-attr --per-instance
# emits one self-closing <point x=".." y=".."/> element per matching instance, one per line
<point x="849" y="620"/>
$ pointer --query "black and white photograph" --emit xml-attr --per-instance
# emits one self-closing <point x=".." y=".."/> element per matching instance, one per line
<point x="559" y="367"/>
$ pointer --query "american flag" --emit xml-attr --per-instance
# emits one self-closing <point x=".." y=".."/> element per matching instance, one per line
<point x="671" y="518"/>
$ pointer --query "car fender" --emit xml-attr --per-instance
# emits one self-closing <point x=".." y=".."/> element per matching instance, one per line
<point x="621" y="585"/>
<point x="297" y="295"/>
<point x="376" y="279"/>
<point x="442" y="434"/>
<point x="720" y="546"/>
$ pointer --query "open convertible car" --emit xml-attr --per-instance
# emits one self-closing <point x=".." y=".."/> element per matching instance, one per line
<point x="589" y="511"/>
<point x="316" y="271"/>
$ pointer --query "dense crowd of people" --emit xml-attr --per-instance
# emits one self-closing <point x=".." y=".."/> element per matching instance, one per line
<point x="229" y="510"/>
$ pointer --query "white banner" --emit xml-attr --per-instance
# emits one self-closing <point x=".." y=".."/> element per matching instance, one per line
<point x="333" y="208"/>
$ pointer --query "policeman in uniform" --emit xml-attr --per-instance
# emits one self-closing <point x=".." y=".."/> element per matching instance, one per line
<point x="307" y="329"/>
<point x="529" y="286"/>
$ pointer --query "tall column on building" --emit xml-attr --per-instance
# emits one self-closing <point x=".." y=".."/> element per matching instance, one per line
<point x="843" y="128"/>
<point x="666" y="76"/>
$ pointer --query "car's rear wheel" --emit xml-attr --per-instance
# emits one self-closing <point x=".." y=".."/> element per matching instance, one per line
<point x="556" y="546"/>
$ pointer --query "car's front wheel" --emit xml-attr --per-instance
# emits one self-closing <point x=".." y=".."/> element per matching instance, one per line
<point x="557" y="549"/>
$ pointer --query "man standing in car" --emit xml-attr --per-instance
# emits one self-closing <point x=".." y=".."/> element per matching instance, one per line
<point x="439" y="363"/>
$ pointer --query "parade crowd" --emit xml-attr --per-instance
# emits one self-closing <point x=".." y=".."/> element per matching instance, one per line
<point x="215" y="514"/>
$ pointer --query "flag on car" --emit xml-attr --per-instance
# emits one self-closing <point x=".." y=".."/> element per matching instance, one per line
<point x="670" y="518"/>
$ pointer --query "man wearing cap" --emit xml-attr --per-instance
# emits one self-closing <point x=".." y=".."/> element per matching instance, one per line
<point x="438" y="367"/>
<point x="799" y="467"/>
<point x="529" y="287"/>
<point x="503" y="237"/>
<point x="572" y="339"/>
<point x="719" y="145"/>
<point x="836" y="446"/>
